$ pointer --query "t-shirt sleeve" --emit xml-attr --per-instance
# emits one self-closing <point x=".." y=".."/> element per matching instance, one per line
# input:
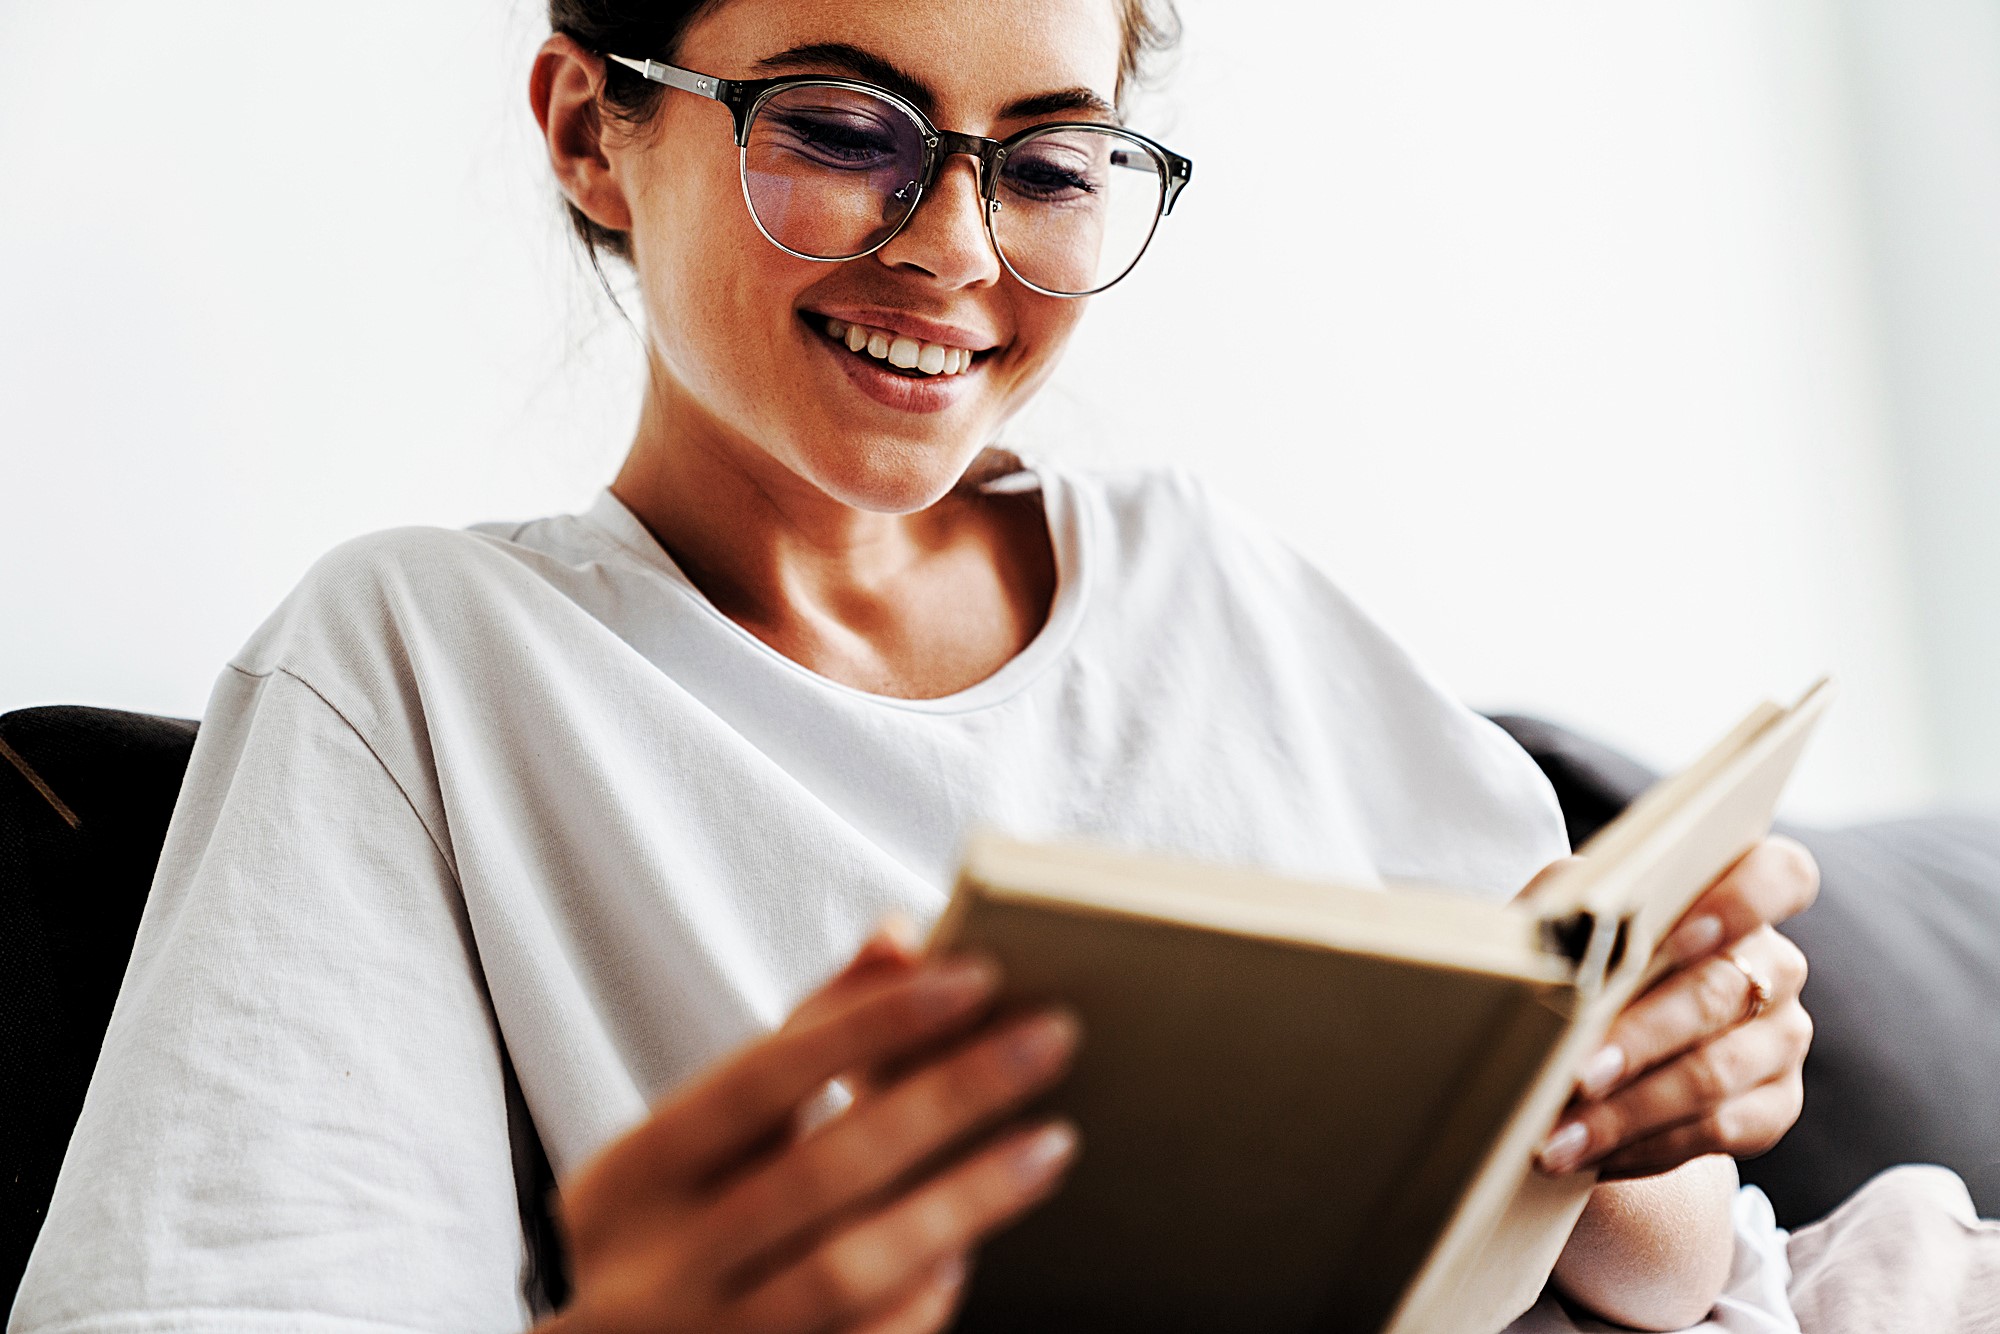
<point x="1443" y="797"/>
<point x="298" y="1119"/>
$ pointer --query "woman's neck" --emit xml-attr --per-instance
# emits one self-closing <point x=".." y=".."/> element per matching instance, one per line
<point x="914" y="605"/>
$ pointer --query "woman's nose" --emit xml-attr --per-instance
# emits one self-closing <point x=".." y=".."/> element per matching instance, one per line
<point x="946" y="237"/>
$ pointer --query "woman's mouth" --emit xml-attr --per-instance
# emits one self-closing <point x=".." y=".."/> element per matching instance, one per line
<point x="896" y="352"/>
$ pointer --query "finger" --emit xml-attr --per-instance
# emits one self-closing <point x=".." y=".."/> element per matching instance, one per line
<point x="1743" y="1127"/>
<point x="1772" y="963"/>
<point x="928" y="1307"/>
<point x="866" y="1264"/>
<point x="891" y="949"/>
<point x="752" y="1095"/>
<point x="1775" y="880"/>
<point x="1690" y="1086"/>
<point x="852" y="1159"/>
<point x="894" y="944"/>
<point x="1690" y="1005"/>
<point x="896" y="947"/>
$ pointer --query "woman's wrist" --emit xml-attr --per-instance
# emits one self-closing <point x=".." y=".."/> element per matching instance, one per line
<point x="1654" y="1252"/>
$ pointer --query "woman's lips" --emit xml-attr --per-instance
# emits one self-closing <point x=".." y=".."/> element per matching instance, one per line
<point x="887" y="386"/>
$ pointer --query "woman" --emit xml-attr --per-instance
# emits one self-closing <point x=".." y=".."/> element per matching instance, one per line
<point x="502" y="834"/>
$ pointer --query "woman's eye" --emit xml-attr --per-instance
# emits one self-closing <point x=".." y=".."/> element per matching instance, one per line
<point x="837" y="140"/>
<point x="1049" y="179"/>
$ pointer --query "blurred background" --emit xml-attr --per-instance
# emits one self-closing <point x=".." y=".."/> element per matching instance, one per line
<point x="1628" y="361"/>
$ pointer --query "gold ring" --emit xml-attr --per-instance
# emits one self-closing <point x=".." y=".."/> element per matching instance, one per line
<point x="1761" y="992"/>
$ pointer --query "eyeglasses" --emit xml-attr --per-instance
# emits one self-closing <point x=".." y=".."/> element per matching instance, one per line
<point x="833" y="168"/>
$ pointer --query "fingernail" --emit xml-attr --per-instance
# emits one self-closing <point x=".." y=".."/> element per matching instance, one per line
<point x="1564" y="1149"/>
<point x="1045" y="1151"/>
<point x="952" y="1272"/>
<point x="1044" y="1042"/>
<point x="1694" y="939"/>
<point x="1601" y="1071"/>
<point x="955" y="985"/>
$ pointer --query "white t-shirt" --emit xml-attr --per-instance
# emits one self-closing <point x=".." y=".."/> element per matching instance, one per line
<point x="520" y="793"/>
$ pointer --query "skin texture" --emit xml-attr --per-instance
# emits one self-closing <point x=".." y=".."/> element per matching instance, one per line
<point x="1652" y="1253"/>
<point x="835" y="528"/>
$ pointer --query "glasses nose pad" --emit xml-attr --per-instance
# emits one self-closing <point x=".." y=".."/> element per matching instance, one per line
<point x="897" y="204"/>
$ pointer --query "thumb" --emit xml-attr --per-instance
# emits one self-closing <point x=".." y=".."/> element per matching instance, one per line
<point x="1549" y="877"/>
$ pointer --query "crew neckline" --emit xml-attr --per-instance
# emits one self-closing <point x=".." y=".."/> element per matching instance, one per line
<point x="1068" y="525"/>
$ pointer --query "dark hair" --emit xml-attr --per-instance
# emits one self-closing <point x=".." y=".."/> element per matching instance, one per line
<point x="636" y="28"/>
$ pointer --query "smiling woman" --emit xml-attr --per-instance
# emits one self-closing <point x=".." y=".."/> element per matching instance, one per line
<point x="562" y="835"/>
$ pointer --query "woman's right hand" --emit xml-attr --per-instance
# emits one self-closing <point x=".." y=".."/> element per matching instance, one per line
<point x="716" y="1214"/>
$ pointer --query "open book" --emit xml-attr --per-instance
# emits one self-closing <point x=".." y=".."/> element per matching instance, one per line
<point x="1314" y="1107"/>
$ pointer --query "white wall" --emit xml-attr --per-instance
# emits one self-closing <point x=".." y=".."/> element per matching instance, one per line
<point x="1927" y="114"/>
<point x="1545" y="326"/>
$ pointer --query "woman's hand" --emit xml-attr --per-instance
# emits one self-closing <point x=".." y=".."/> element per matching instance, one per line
<point x="719" y="1214"/>
<point x="1702" y="1063"/>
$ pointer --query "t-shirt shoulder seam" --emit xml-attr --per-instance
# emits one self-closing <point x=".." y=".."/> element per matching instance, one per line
<point x="402" y="789"/>
<point x="616" y="543"/>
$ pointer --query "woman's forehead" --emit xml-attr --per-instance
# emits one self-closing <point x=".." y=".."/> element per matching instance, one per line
<point x="972" y="57"/>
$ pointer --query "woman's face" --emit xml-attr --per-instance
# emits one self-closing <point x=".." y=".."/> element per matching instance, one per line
<point x="739" y="327"/>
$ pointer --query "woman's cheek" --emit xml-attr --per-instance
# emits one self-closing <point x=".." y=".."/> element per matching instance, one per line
<point x="728" y="332"/>
<point x="1042" y="335"/>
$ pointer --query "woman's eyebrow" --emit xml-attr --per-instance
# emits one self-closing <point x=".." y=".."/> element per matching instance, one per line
<point x="865" y="64"/>
<point x="854" y="60"/>
<point x="1063" y="99"/>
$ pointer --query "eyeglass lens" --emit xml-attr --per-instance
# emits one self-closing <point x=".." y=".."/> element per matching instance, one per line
<point x="1076" y="208"/>
<point x="830" y="172"/>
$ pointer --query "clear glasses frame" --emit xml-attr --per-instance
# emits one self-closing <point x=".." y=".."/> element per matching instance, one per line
<point x="746" y="97"/>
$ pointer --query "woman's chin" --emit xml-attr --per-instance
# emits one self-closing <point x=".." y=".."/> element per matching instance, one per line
<point x="890" y="477"/>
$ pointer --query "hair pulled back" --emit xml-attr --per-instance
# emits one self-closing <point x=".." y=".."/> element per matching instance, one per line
<point x="653" y="30"/>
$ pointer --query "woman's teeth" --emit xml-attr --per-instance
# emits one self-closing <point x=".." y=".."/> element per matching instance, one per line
<point x="900" y="350"/>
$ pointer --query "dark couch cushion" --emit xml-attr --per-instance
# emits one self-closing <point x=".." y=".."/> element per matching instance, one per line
<point x="1904" y="948"/>
<point x="85" y="797"/>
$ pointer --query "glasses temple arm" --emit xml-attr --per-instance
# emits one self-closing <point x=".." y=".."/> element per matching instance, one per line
<point x="674" y="76"/>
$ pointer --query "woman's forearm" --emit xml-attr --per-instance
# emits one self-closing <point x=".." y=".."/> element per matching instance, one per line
<point x="1654" y="1252"/>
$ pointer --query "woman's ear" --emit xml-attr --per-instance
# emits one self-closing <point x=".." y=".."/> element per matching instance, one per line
<point x="563" y="88"/>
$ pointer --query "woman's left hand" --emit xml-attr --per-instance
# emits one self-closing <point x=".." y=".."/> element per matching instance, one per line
<point x="1708" y="1059"/>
